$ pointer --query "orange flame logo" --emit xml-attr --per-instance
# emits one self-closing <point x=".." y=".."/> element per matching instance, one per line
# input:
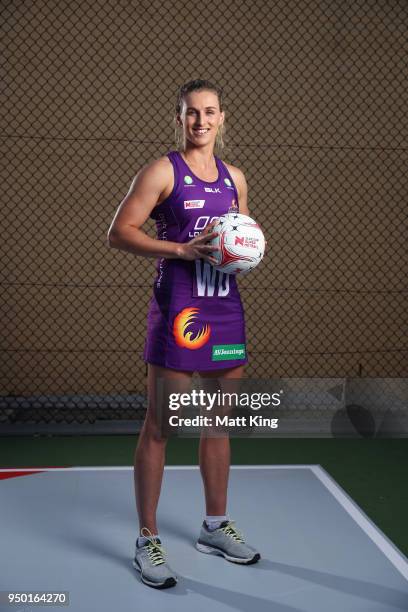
<point x="183" y="337"/>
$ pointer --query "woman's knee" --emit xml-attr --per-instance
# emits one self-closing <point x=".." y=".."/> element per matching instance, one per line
<point x="154" y="430"/>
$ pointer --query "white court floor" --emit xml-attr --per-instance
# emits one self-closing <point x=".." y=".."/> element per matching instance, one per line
<point x="73" y="529"/>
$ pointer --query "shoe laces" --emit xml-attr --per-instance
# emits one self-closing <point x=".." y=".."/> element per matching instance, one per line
<point x="231" y="531"/>
<point x="155" y="551"/>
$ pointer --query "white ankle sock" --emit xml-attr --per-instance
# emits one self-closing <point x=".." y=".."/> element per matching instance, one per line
<point x="141" y="540"/>
<point x="213" y="522"/>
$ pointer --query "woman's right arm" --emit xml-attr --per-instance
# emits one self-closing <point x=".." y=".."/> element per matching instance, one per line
<point x="125" y="231"/>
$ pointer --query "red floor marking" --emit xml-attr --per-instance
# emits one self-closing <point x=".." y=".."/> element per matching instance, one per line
<point x="24" y="472"/>
<point x="4" y="475"/>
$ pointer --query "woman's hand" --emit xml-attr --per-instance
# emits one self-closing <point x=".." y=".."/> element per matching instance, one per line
<point x="197" y="247"/>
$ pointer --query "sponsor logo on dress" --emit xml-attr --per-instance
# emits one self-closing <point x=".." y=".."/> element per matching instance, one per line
<point x="222" y="352"/>
<point x="188" y="180"/>
<point x="234" y="206"/>
<point x="200" y="224"/>
<point x="193" y="204"/>
<point x="186" y="331"/>
<point x="212" y="190"/>
<point x="228" y="183"/>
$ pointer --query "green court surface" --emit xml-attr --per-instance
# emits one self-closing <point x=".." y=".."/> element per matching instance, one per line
<point x="373" y="472"/>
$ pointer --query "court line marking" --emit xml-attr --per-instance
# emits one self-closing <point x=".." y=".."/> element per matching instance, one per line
<point x="389" y="550"/>
<point x="166" y="467"/>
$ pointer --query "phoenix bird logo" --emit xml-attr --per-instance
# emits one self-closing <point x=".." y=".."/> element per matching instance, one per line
<point x="184" y="336"/>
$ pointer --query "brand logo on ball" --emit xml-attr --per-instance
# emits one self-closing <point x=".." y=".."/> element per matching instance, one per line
<point x="193" y="204"/>
<point x="247" y="241"/>
<point x="223" y="352"/>
<point x="188" y="180"/>
<point x="184" y="335"/>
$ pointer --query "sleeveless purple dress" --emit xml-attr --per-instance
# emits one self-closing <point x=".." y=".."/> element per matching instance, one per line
<point x="196" y="318"/>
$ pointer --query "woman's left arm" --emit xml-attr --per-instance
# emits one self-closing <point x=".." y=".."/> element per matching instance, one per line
<point x="240" y="183"/>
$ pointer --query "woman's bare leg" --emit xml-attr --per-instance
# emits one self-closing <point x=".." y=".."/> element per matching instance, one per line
<point x="215" y="457"/>
<point x="151" y="449"/>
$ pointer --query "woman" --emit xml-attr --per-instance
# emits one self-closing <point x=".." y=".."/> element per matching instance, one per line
<point x="194" y="309"/>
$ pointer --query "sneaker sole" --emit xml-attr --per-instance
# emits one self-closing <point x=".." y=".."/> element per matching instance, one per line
<point x="169" y="582"/>
<point x="209" y="550"/>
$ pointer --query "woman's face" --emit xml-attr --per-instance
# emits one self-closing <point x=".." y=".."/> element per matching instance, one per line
<point x="201" y="117"/>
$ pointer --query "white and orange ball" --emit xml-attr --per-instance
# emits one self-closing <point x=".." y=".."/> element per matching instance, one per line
<point x="241" y="242"/>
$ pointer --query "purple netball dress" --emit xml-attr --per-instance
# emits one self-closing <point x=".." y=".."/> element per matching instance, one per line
<point x="196" y="318"/>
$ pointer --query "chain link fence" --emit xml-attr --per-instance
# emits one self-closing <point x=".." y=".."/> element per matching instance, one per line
<point x="316" y="115"/>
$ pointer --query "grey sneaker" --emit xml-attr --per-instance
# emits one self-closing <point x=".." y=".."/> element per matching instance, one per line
<point x="150" y="561"/>
<point x="228" y="542"/>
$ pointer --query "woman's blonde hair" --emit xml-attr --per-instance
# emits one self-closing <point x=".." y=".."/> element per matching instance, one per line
<point x="199" y="85"/>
